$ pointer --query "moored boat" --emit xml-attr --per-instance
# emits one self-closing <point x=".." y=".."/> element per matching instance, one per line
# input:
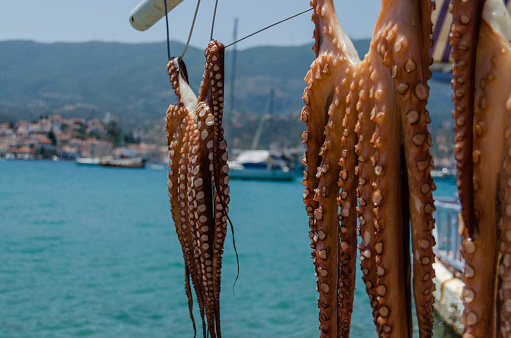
<point x="133" y="162"/>
<point x="157" y="166"/>
<point x="89" y="161"/>
<point x="261" y="165"/>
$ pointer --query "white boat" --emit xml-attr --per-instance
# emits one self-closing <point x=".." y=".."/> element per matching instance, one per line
<point x="87" y="160"/>
<point x="261" y="165"/>
<point x="132" y="162"/>
<point x="443" y="173"/>
<point x="158" y="166"/>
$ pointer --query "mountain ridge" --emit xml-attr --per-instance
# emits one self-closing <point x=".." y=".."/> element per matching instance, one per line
<point x="80" y="79"/>
<point x="108" y="76"/>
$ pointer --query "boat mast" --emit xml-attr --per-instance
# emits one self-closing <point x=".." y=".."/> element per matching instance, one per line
<point x="257" y="136"/>
<point x="270" y="116"/>
<point x="121" y="143"/>
<point x="230" y="113"/>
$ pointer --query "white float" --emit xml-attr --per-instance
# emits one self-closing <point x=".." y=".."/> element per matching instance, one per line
<point x="149" y="12"/>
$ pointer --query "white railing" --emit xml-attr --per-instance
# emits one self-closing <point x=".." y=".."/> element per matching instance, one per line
<point x="448" y="240"/>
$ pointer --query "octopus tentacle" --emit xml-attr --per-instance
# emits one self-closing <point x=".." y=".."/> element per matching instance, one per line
<point x="328" y="250"/>
<point x="504" y="263"/>
<point x="205" y="214"/>
<point x="409" y="60"/>
<point x="217" y="156"/>
<point x="188" y="291"/>
<point x="181" y="228"/>
<point x="402" y="53"/>
<point x="326" y="222"/>
<point x="426" y="8"/>
<point x="348" y="181"/>
<point x="503" y="61"/>
<point x="391" y="270"/>
<point x="463" y="38"/>
<point x="201" y="187"/>
<point x="174" y="123"/>
<point x="486" y="251"/>
<point x="367" y="174"/>
<point x="208" y="122"/>
<point x="317" y="100"/>
<point x="188" y="205"/>
<point x="313" y="137"/>
<point x="331" y="107"/>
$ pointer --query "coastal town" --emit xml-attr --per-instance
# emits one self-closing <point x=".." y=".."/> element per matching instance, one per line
<point x="53" y="137"/>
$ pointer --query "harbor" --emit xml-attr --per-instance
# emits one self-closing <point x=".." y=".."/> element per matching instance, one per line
<point x="358" y="189"/>
<point x="95" y="255"/>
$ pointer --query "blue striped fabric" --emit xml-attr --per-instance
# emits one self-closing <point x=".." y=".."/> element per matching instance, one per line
<point x="444" y="10"/>
<point x="442" y="18"/>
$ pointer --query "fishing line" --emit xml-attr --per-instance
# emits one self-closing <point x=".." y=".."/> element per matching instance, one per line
<point x="220" y="197"/>
<point x="182" y="55"/>
<point x="191" y="29"/>
<point x="259" y="31"/>
<point x="189" y="35"/>
<point x="213" y="24"/>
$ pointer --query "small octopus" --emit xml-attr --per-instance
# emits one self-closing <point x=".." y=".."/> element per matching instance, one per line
<point x="198" y="181"/>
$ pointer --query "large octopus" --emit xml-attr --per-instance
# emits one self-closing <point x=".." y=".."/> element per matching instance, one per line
<point x="482" y="111"/>
<point x="368" y="159"/>
<point x="198" y="181"/>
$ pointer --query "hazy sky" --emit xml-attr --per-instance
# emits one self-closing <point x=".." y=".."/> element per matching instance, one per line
<point x="107" y="20"/>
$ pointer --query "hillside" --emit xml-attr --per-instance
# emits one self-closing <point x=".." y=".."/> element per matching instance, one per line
<point x="90" y="76"/>
<point x="76" y="78"/>
<point x="85" y="79"/>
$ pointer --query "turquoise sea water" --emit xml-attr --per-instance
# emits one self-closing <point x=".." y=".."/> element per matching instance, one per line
<point x="91" y="251"/>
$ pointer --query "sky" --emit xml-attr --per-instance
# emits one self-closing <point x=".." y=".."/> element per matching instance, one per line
<point x="51" y="21"/>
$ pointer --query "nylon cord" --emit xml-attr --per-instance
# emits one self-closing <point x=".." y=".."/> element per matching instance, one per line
<point x="259" y="31"/>
<point x="191" y="29"/>
<point x="182" y="55"/>
<point x="213" y="24"/>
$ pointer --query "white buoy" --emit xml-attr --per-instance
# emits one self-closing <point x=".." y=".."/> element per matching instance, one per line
<point x="149" y="12"/>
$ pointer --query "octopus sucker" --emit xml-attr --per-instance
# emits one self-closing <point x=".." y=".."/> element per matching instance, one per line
<point x="374" y="127"/>
<point x="198" y="181"/>
<point x="483" y="159"/>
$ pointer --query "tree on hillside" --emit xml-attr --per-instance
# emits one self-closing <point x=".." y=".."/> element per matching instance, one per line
<point x="52" y="137"/>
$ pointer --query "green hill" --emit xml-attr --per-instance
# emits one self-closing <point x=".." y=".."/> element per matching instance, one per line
<point x="75" y="79"/>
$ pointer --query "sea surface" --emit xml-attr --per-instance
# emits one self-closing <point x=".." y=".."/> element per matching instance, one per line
<point x="92" y="252"/>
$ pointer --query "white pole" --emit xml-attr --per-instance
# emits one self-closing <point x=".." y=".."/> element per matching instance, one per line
<point x="149" y="12"/>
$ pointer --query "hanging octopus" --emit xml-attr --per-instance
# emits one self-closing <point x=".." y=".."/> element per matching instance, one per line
<point x="198" y="181"/>
<point x="481" y="52"/>
<point x="368" y="160"/>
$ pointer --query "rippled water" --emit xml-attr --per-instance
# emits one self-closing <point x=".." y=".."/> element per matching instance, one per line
<point x="91" y="251"/>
